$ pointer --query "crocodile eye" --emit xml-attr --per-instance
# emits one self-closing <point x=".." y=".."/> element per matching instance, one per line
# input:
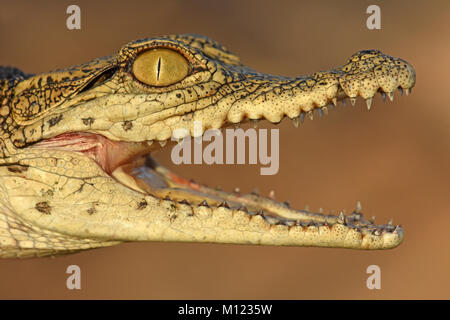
<point x="160" y="67"/>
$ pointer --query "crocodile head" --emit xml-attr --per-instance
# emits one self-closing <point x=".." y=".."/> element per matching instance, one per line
<point x="75" y="164"/>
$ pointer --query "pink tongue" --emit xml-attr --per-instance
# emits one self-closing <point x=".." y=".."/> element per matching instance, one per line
<point x="107" y="153"/>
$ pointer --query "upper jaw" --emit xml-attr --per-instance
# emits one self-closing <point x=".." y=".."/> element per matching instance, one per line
<point x="229" y="95"/>
<point x="237" y="95"/>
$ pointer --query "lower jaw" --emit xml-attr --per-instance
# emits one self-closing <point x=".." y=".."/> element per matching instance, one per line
<point x="146" y="176"/>
<point x="131" y="165"/>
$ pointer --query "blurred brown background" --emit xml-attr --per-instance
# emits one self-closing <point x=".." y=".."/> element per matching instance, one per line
<point x="394" y="159"/>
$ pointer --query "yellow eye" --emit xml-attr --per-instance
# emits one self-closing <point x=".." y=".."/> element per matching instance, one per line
<point x="160" y="67"/>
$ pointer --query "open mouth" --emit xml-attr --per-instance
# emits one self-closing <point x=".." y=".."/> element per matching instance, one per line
<point x="131" y="164"/>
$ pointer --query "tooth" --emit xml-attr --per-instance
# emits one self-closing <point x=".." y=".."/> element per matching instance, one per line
<point x="334" y="100"/>
<point x="225" y="205"/>
<point x="369" y="103"/>
<point x="237" y="190"/>
<point x="295" y="121"/>
<point x="391" y="96"/>
<point x="236" y="125"/>
<point x="302" y="117"/>
<point x="289" y="223"/>
<point x="311" y="115"/>
<point x="325" y="110"/>
<point x="408" y="91"/>
<point x="162" y="143"/>
<point x="390" y="222"/>
<point x="149" y="143"/>
<point x="320" y="210"/>
<point x="372" y="219"/>
<point x="243" y="208"/>
<point x="377" y="232"/>
<point x="306" y="208"/>
<point x="353" y="101"/>
<point x="204" y="203"/>
<point x="401" y="90"/>
<point x="255" y="123"/>
<point x="341" y="218"/>
<point x="358" y="207"/>
<point x="319" y="111"/>
<point x="272" y="194"/>
<point x="383" y="95"/>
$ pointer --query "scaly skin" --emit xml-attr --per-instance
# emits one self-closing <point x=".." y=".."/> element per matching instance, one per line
<point x="58" y="194"/>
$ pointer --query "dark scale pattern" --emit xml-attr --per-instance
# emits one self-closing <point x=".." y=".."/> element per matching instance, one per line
<point x="39" y="93"/>
<point x="24" y="98"/>
<point x="11" y="74"/>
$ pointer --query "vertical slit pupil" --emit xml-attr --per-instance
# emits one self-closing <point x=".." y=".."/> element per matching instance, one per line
<point x="159" y="68"/>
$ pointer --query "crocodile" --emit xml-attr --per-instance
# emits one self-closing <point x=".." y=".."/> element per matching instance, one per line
<point x="76" y="170"/>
